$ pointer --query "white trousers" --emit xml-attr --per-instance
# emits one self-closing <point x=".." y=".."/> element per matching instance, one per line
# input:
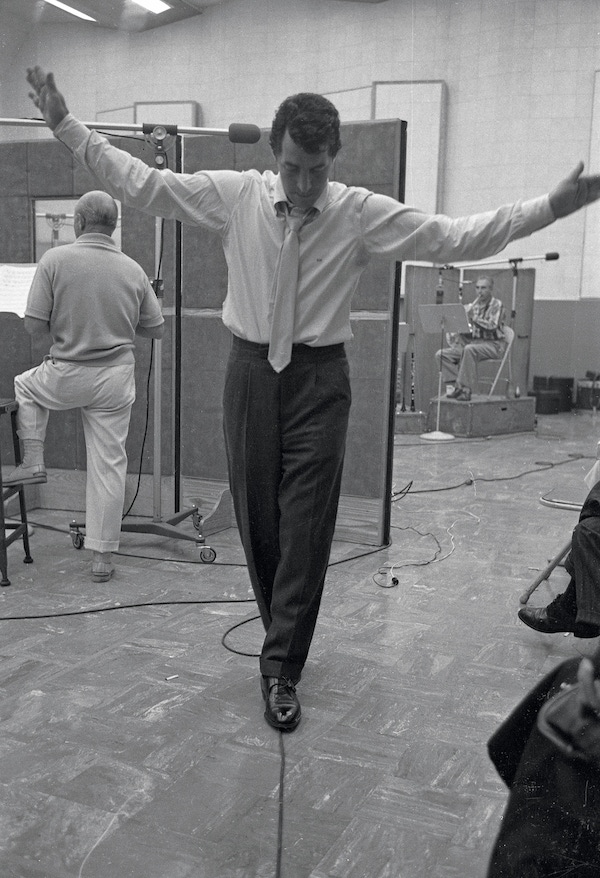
<point x="105" y="395"/>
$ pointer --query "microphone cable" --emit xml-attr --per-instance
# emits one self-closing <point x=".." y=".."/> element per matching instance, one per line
<point x="145" y="434"/>
<point x="156" y="286"/>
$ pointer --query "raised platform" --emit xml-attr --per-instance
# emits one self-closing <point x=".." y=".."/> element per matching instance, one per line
<point x="483" y="416"/>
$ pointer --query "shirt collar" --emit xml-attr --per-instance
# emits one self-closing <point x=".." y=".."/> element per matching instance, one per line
<point x="97" y="238"/>
<point x="280" y="198"/>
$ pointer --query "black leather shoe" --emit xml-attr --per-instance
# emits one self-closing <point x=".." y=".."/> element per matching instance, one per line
<point x="282" y="708"/>
<point x="539" y="619"/>
<point x="464" y="395"/>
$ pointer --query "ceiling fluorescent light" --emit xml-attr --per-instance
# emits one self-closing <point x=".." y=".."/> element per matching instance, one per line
<point x="155" y="6"/>
<point x="70" y="9"/>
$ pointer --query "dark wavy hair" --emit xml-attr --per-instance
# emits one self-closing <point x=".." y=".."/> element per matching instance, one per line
<point x="312" y="121"/>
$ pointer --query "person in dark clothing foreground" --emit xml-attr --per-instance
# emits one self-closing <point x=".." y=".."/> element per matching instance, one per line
<point x="548" y="754"/>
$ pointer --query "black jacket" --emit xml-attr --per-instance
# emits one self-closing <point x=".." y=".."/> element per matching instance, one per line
<point x="551" y="825"/>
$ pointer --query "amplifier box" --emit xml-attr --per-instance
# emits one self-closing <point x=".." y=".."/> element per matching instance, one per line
<point x="588" y="395"/>
<point x="561" y="390"/>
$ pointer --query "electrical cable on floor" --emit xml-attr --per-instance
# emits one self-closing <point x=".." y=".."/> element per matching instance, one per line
<point x="233" y="628"/>
<point x="543" y="466"/>
<point x="280" y="810"/>
<point x="90" y="611"/>
<point x="387" y="571"/>
<point x="114" y="819"/>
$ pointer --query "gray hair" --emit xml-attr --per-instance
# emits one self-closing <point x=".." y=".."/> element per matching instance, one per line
<point x="98" y="209"/>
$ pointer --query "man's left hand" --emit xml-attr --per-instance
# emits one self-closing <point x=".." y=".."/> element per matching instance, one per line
<point x="574" y="192"/>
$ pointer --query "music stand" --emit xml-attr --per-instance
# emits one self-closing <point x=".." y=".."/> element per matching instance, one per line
<point x="442" y="319"/>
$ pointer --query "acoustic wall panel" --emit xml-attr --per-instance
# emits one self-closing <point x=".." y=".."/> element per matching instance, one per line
<point x="423" y="106"/>
<point x="590" y="274"/>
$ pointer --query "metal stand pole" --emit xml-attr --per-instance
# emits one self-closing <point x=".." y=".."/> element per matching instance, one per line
<point x="438" y="435"/>
<point x="158" y="526"/>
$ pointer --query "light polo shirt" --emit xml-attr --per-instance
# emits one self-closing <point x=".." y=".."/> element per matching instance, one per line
<point x="352" y="225"/>
<point x="93" y="296"/>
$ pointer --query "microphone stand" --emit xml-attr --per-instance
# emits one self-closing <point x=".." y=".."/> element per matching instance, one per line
<point x="438" y="435"/>
<point x="158" y="136"/>
<point x="237" y="132"/>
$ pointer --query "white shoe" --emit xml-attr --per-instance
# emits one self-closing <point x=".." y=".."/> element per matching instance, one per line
<point x="26" y="475"/>
<point x="102" y="567"/>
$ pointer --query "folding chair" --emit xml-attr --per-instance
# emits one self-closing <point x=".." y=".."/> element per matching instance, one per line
<point x="509" y="335"/>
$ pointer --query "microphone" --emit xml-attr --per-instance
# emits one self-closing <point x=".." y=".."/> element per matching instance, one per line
<point x="241" y="133"/>
<point x="551" y="256"/>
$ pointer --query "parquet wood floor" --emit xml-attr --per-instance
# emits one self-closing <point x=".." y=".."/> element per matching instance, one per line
<point x="132" y="741"/>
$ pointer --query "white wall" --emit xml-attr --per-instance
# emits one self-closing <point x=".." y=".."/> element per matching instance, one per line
<point x="519" y="76"/>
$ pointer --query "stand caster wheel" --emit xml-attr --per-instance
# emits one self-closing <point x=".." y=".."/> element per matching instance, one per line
<point x="76" y="536"/>
<point x="197" y="519"/>
<point x="207" y="555"/>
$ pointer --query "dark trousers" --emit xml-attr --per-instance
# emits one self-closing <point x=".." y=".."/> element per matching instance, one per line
<point x="582" y="597"/>
<point x="285" y="435"/>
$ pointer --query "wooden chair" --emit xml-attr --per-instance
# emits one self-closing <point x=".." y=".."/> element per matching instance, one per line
<point x="10" y="532"/>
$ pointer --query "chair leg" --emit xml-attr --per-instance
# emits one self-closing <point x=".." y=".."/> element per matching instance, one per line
<point x="22" y="505"/>
<point x="3" y="558"/>
<point x="22" y="528"/>
<point x="497" y="378"/>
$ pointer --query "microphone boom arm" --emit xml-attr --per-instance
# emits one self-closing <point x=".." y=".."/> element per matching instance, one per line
<point x="237" y="132"/>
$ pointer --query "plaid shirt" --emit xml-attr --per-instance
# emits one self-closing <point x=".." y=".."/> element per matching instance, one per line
<point x="486" y="320"/>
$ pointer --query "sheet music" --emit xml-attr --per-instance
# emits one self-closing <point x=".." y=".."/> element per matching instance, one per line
<point x="15" y="282"/>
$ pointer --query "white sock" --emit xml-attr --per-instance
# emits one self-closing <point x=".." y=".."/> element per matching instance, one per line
<point x="33" y="452"/>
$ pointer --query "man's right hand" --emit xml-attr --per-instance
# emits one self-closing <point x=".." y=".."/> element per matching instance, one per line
<point x="46" y="96"/>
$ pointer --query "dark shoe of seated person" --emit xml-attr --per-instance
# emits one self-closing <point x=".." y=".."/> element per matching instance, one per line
<point x="282" y="708"/>
<point x="464" y="395"/>
<point x="550" y="620"/>
<point x="456" y="392"/>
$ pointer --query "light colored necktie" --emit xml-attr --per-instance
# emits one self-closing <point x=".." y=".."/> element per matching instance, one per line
<point x="282" y="325"/>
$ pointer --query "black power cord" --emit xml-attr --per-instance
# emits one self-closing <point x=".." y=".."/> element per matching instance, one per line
<point x="542" y="466"/>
